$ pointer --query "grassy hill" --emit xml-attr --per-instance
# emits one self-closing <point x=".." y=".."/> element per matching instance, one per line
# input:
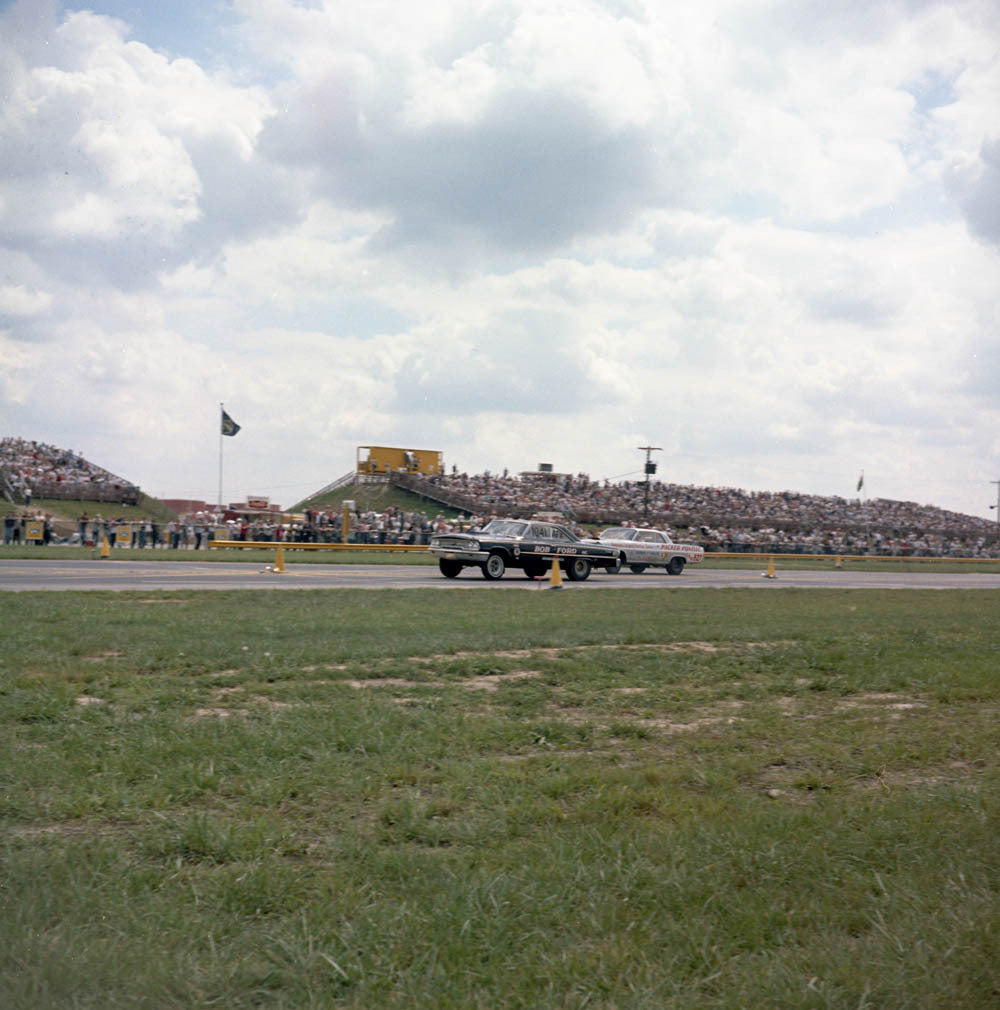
<point x="377" y="497"/>
<point x="65" y="512"/>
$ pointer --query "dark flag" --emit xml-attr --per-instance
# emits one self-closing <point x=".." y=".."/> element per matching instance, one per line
<point x="229" y="426"/>
<point x="861" y="481"/>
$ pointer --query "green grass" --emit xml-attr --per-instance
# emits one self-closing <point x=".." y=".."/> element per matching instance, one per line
<point x="377" y="497"/>
<point x="256" y="556"/>
<point x="412" y="799"/>
<point x="264" y="556"/>
<point x="67" y="511"/>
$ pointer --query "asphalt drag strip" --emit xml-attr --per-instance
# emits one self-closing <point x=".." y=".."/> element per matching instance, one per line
<point x="27" y="575"/>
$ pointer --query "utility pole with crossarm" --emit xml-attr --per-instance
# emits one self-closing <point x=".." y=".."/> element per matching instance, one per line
<point x="997" y="507"/>
<point x="650" y="468"/>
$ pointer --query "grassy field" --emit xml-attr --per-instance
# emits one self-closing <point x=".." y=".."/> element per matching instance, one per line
<point x="626" y="799"/>
<point x="66" y="513"/>
<point x="266" y="556"/>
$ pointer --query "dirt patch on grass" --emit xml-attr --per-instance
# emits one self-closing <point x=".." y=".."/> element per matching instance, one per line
<point x="880" y="700"/>
<point x="491" y="681"/>
<point x="568" y="650"/>
<point x="487" y="682"/>
<point x="272" y="703"/>
<point x="692" y="726"/>
<point x="89" y="699"/>
<point x="391" y="682"/>
<point x="800" y="784"/>
<point x="720" y="714"/>
<point x="221" y="711"/>
<point x="217" y="712"/>
<point x="874" y="704"/>
<point x="954" y="773"/>
<point x="63" y="829"/>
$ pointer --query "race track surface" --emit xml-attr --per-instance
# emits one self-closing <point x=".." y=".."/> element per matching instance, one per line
<point x="21" y="576"/>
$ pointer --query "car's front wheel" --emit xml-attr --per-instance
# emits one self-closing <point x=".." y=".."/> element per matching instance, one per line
<point x="615" y="568"/>
<point x="535" y="571"/>
<point x="494" y="567"/>
<point x="449" y="569"/>
<point x="675" y="566"/>
<point x="638" y="569"/>
<point x="577" y="569"/>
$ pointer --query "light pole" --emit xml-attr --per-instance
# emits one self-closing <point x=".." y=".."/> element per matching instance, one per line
<point x="650" y="468"/>
<point x="997" y="507"/>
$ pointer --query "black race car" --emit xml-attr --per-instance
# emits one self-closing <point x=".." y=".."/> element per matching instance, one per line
<point x="528" y="544"/>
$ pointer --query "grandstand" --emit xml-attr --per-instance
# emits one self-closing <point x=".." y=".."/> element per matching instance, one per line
<point x="720" y="518"/>
<point x="35" y="469"/>
<point x="723" y="518"/>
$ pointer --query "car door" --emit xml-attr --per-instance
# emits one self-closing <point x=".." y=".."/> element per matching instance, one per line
<point x="651" y="547"/>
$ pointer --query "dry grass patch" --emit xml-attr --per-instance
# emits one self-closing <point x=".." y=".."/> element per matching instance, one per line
<point x="485" y="682"/>
<point x="556" y="652"/>
<point x="797" y="783"/>
<point x="954" y="773"/>
<point x="62" y="829"/>
<point x="217" y="712"/>
<point x="879" y="700"/>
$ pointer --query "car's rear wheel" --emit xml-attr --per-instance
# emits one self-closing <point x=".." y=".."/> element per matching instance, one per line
<point x="675" y="566"/>
<point x="615" y="568"/>
<point x="638" y="569"/>
<point x="449" y="569"/>
<point x="577" y="569"/>
<point x="494" y="567"/>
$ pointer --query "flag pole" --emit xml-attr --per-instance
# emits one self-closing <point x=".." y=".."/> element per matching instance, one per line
<point x="227" y="426"/>
<point x="221" y="411"/>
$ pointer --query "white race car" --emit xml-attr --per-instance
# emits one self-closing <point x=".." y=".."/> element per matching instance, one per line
<point x="641" y="548"/>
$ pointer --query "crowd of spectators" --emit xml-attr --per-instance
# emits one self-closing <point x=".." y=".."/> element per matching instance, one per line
<point x="369" y="526"/>
<point x="44" y="471"/>
<point x="727" y="519"/>
<point x="719" y="518"/>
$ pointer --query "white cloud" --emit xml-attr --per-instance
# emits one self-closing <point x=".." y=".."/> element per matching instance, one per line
<point x="18" y="300"/>
<point x="762" y="236"/>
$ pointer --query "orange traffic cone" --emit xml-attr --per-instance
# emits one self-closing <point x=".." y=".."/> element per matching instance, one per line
<point x="279" y="562"/>
<point x="769" y="574"/>
<point x="105" y="549"/>
<point x="555" y="576"/>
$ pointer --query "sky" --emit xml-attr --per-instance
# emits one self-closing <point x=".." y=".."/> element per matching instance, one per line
<point x="762" y="236"/>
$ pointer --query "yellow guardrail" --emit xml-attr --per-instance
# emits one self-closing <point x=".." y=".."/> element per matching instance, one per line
<point x="847" y="557"/>
<point x="750" y="556"/>
<point x="271" y="545"/>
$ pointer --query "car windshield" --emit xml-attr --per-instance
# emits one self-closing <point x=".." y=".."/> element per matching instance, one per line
<point x="504" y="528"/>
<point x="618" y="533"/>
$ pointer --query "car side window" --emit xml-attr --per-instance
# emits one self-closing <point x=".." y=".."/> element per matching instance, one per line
<point x="550" y="533"/>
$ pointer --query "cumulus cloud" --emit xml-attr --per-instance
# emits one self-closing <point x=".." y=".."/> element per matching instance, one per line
<point x="762" y="236"/>
<point x="524" y="362"/>
<point x="975" y="184"/>
<point x="116" y="155"/>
